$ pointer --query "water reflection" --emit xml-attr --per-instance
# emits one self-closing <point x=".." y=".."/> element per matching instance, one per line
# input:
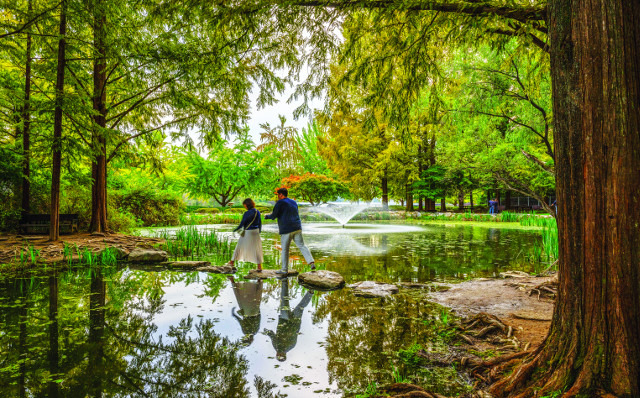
<point x="101" y="339"/>
<point x="137" y="333"/>
<point x="248" y="295"/>
<point x="289" y="321"/>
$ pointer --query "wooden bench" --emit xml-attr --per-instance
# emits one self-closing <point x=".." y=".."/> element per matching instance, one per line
<point x="39" y="223"/>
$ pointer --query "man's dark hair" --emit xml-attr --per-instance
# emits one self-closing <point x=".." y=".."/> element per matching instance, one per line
<point x="283" y="191"/>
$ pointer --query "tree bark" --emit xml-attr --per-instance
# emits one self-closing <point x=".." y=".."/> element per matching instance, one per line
<point x="409" y="197"/>
<point x="443" y="204"/>
<point x="461" y="200"/>
<point x="471" y="199"/>
<point x="385" y="191"/>
<point x="593" y="346"/>
<point x="54" y="230"/>
<point x="99" y="141"/>
<point x="26" y="125"/>
<point x="507" y="200"/>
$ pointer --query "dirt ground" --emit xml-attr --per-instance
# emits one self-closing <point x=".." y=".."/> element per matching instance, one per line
<point x="52" y="252"/>
<point x="515" y="300"/>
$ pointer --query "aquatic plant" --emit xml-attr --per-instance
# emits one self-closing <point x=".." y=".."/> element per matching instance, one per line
<point x="192" y="242"/>
<point x="108" y="257"/>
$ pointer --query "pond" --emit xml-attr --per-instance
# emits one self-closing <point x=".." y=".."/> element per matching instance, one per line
<point x="132" y="332"/>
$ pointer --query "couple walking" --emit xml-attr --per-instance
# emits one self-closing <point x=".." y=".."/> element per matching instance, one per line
<point x="249" y="246"/>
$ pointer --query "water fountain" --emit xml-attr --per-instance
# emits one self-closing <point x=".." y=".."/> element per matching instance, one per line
<point x="341" y="212"/>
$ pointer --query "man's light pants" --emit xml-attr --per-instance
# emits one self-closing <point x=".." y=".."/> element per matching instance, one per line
<point x="285" y="243"/>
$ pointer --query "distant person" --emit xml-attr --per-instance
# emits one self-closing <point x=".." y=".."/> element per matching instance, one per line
<point x="249" y="247"/>
<point x="248" y="295"/>
<point x="290" y="228"/>
<point x="555" y="206"/>
<point x="492" y="206"/>
<point x="286" y="335"/>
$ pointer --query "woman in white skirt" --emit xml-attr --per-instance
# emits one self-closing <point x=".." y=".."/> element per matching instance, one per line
<point x="249" y="246"/>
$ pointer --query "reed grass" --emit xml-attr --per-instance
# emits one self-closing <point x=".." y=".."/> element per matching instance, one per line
<point x="190" y="242"/>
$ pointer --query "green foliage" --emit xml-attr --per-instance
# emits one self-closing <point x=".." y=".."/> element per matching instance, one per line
<point x="190" y="242"/>
<point x="315" y="189"/>
<point x="310" y="160"/>
<point x="231" y="171"/>
<point x="150" y="206"/>
<point x="208" y="210"/>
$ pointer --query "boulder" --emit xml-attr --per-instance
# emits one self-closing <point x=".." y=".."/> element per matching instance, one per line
<point x="372" y="289"/>
<point x="321" y="280"/>
<point x="268" y="273"/>
<point x="514" y="274"/>
<point x="431" y="287"/>
<point x="218" y="269"/>
<point x="147" y="256"/>
<point x="187" y="265"/>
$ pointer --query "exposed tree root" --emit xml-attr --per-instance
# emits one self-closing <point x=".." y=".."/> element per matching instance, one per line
<point x="546" y="290"/>
<point x="405" y="390"/>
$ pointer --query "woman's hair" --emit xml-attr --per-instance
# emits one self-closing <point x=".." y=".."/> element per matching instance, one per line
<point x="249" y="203"/>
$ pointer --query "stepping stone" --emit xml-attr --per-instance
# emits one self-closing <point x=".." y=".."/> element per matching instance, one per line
<point x="371" y="289"/>
<point x="217" y="269"/>
<point x="321" y="280"/>
<point x="514" y="274"/>
<point x="147" y="256"/>
<point x="187" y="265"/>
<point x="431" y="287"/>
<point x="268" y="273"/>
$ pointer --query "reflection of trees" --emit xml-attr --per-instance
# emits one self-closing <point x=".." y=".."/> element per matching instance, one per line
<point x="94" y="335"/>
<point x="364" y="334"/>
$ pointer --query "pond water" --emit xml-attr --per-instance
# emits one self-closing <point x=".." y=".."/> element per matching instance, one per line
<point x="132" y="332"/>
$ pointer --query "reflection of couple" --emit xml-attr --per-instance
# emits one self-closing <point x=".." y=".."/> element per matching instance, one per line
<point x="289" y="321"/>
<point x="249" y="247"/>
<point x="249" y="294"/>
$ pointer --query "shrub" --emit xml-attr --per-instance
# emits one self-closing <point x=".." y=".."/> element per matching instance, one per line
<point x="121" y="221"/>
<point x="208" y="210"/>
<point x="234" y="210"/>
<point x="150" y="206"/>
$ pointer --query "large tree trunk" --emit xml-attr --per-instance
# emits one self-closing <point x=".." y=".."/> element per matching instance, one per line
<point x="26" y="126"/>
<point x="507" y="200"/>
<point x="461" y="199"/>
<point x="593" y="346"/>
<point x="409" y="197"/>
<point x="99" y="163"/>
<point x="385" y="191"/>
<point x="54" y="229"/>
<point x="443" y="204"/>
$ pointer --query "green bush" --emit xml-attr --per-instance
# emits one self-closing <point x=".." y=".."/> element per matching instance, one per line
<point x="150" y="206"/>
<point x="234" y="210"/>
<point x="120" y="221"/>
<point x="208" y="210"/>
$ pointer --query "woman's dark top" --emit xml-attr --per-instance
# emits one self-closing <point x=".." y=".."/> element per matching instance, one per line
<point x="246" y="220"/>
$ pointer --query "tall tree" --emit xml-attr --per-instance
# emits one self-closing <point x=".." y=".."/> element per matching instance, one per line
<point x="26" y="122"/>
<point x="593" y="345"/>
<point x="54" y="228"/>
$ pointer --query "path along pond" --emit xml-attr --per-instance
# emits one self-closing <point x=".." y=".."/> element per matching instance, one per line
<point x="127" y="331"/>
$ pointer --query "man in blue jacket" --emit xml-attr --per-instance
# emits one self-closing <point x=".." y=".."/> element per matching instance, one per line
<point x="290" y="228"/>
